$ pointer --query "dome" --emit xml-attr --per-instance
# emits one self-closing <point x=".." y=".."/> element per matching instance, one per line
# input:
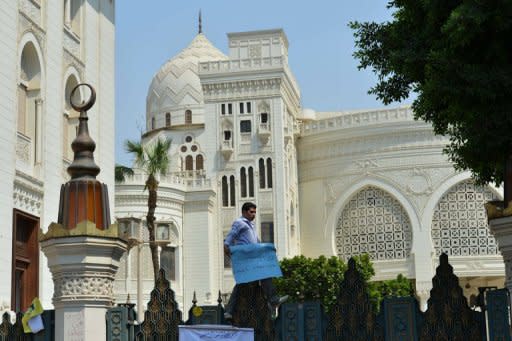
<point x="176" y="85"/>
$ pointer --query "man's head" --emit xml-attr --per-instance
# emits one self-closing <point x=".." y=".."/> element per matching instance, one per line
<point x="249" y="211"/>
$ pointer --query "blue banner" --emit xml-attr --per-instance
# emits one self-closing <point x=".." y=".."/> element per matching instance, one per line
<point x="252" y="262"/>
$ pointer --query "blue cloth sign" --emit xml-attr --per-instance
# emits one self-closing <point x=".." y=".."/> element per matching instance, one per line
<point x="214" y="333"/>
<point x="252" y="262"/>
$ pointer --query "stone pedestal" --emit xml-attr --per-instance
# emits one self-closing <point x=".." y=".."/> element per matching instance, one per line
<point x="501" y="228"/>
<point x="83" y="263"/>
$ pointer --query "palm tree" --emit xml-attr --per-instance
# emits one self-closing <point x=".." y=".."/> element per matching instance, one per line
<point x="121" y="172"/>
<point x="152" y="159"/>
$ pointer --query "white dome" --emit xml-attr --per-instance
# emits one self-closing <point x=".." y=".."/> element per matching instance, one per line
<point x="176" y="85"/>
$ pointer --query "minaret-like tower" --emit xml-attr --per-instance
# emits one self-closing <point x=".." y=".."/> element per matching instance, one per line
<point x="83" y="248"/>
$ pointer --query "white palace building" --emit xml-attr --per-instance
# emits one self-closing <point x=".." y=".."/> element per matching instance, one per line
<point x="325" y="183"/>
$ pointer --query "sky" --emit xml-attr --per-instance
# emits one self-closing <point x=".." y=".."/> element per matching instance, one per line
<point x="320" y="48"/>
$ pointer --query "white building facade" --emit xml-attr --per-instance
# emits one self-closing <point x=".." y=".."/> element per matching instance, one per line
<point x="325" y="183"/>
<point x="48" y="47"/>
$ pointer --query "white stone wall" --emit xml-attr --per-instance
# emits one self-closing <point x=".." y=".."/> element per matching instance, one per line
<point x="8" y="105"/>
<point x="36" y="188"/>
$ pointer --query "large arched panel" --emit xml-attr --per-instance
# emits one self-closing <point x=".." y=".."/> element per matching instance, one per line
<point x="459" y="222"/>
<point x="375" y="223"/>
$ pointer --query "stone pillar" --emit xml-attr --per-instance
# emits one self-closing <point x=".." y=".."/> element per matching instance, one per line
<point x="501" y="228"/>
<point x="423" y="294"/>
<point x="83" y="266"/>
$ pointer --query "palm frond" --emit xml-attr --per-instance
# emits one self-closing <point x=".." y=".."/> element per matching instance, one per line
<point x="137" y="150"/>
<point x="121" y="172"/>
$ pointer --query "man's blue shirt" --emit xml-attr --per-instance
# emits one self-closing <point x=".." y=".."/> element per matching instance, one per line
<point x="242" y="232"/>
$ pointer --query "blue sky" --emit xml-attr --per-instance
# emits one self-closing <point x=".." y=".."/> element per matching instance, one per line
<point x="320" y="52"/>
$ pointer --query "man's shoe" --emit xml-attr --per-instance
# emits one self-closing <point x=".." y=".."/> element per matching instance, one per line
<point x="228" y="316"/>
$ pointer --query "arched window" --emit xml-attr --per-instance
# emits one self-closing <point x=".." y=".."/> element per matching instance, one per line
<point x="261" y="169"/>
<point x="30" y="103"/>
<point x="243" y="183"/>
<point x="199" y="162"/>
<point x="225" y="199"/>
<point x="375" y="223"/>
<point x="188" y="117"/>
<point x="152" y="123"/>
<point x="251" y="182"/>
<point x="189" y="162"/>
<point x="72" y="16"/>
<point x="167" y="119"/>
<point x="232" y="190"/>
<point x="269" y="173"/>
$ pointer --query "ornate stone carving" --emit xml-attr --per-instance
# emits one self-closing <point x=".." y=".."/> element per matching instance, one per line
<point x="367" y="163"/>
<point x="32" y="9"/>
<point x="71" y="43"/>
<point x="242" y="89"/>
<point x="79" y="285"/>
<point x="28" y="194"/>
<point x="419" y="183"/>
<point x="26" y="24"/>
<point x="23" y="145"/>
<point x="74" y="61"/>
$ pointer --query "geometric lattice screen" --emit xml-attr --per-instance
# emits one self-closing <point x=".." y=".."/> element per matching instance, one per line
<point x="459" y="224"/>
<point x="375" y="223"/>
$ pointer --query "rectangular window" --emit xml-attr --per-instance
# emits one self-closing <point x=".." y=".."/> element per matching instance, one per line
<point x="168" y="260"/>
<point x="230" y="108"/>
<point x="241" y="107"/>
<point x="267" y="232"/>
<point x="245" y="126"/>
<point x="264" y="117"/>
<point x="248" y="107"/>
<point x="227" y="135"/>
<point x="223" y="109"/>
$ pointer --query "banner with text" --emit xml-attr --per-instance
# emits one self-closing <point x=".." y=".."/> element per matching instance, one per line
<point x="252" y="262"/>
<point x="215" y="332"/>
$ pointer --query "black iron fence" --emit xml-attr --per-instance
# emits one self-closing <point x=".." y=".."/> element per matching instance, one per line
<point x="353" y="318"/>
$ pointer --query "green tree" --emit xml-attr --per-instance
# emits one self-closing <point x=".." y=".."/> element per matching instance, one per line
<point x="455" y="56"/>
<point x="121" y="172"/>
<point x="152" y="159"/>
<point x="320" y="278"/>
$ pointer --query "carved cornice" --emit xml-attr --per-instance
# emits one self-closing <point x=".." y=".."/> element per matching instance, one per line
<point x="242" y="89"/>
<point x="369" y="144"/>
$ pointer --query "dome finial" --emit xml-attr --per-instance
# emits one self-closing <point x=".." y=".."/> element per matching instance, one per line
<point x="200" y="23"/>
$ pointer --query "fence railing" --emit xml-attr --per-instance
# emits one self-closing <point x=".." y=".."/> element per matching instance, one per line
<point x="353" y="317"/>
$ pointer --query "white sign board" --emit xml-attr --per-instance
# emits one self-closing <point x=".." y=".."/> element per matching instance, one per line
<point x="215" y="332"/>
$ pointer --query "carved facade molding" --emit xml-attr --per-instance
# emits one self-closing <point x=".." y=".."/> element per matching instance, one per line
<point x="28" y="194"/>
<point x="71" y="43"/>
<point x="31" y="9"/>
<point x="242" y="89"/>
<point x="71" y="60"/>
<point x="26" y="24"/>
<point x="419" y="183"/>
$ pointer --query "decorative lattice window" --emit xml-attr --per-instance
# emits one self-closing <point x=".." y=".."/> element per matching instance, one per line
<point x="459" y="223"/>
<point x="375" y="223"/>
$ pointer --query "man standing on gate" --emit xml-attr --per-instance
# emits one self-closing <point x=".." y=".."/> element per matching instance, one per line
<point x="243" y="232"/>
